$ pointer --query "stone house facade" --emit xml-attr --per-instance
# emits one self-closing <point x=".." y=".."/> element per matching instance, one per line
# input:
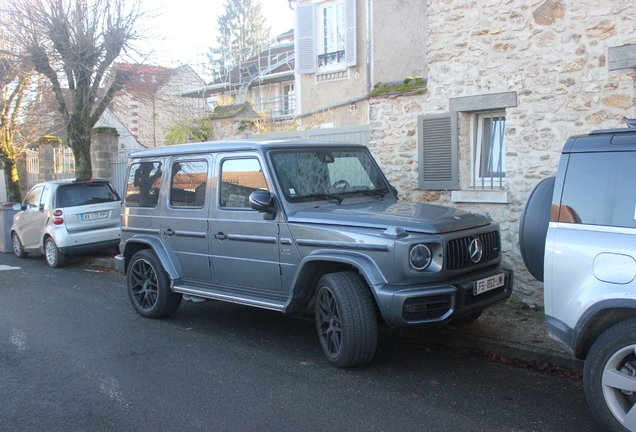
<point x="150" y="102"/>
<point x="518" y="78"/>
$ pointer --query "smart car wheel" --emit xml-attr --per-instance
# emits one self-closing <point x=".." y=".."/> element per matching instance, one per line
<point x="609" y="377"/>
<point x="54" y="258"/>
<point x="149" y="287"/>
<point x="345" y="319"/>
<point x="18" y="250"/>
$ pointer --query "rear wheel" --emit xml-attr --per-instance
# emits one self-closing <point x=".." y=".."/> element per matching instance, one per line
<point x="54" y="258"/>
<point x="609" y="377"/>
<point x="149" y="287"/>
<point x="346" y="319"/>
<point x="18" y="250"/>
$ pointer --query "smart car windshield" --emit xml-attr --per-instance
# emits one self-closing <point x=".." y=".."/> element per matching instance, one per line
<point x="313" y="175"/>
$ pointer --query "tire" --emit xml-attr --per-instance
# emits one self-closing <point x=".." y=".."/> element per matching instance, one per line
<point x="533" y="227"/>
<point x="612" y="363"/>
<point x="148" y="287"/>
<point x="18" y="250"/>
<point x="345" y="319"/>
<point x="467" y="319"/>
<point x="54" y="258"/>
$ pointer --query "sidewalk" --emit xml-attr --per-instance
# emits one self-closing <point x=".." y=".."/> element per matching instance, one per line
<point x="506" y="332"/>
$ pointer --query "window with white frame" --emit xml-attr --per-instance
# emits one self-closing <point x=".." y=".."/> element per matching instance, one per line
<point x="325" y="36"/>
<point x="331" y="34"/>
<point x="488" y="149"/>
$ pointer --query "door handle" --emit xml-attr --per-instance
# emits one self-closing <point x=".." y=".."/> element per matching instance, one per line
<point x="220" y="236"/>
<point x="168" y="232"/>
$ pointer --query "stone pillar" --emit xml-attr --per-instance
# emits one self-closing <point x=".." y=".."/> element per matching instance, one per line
<point x="46" y="157"/>
<point x="104" y="145"/>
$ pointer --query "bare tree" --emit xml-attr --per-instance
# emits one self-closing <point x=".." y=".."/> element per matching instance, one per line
<point x="74" y="44"/>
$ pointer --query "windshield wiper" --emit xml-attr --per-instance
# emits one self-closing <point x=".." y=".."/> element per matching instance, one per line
<point x="338" y="197"/>
<point x="373" y="192"/>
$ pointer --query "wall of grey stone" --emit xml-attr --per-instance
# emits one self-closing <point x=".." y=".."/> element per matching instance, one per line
<point x="553" y="54"/>
<point x="104" y="145"/>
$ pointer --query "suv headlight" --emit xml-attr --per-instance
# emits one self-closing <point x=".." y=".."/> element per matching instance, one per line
<point x="420" y="257"/>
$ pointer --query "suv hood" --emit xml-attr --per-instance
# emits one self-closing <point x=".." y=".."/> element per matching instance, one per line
<point x="412" y="216"/>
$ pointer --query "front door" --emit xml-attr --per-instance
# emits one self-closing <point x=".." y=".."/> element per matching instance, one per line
<point x="32" y="220"/>
<point x="244" y="242"/>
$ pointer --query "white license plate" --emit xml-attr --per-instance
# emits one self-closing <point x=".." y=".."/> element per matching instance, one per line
<point x="483" y="285"/>
<point x="94" y="215"/>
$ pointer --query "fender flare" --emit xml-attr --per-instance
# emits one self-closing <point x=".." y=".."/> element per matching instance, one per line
<point x="366" y="266"/>
<point x="158" y="247"/>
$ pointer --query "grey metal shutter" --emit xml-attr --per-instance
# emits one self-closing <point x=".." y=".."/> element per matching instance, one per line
<point x="350" y="33"/>
<point x="305" y="38"/>
<point x="437" y="147"/>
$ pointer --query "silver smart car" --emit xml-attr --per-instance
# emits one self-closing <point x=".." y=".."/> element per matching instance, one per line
<point x="66" y="217"/>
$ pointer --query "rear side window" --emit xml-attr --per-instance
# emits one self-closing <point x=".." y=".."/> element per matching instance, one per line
<point x="188" y="180"/>
<point x="144" y="180"/>
<point x="78" y="194"/>
<point x="600" y="189"/>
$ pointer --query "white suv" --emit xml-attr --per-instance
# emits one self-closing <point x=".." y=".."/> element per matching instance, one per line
<point x="578" y="235"/>
<point x="67" y="217"/>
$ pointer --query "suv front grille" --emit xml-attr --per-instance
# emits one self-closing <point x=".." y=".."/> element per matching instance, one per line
<point x="427" y="308"/>
<point x="458" y="255"/>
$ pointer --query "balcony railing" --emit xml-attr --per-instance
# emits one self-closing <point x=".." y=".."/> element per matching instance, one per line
<point x="331" y="58"/>
<point x="276" y="107"/>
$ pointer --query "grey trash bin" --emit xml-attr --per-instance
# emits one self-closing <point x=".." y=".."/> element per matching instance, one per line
<point x="6" y="220"/>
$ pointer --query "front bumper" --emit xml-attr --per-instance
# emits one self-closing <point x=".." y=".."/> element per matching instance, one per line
<point x="405" y="306"/>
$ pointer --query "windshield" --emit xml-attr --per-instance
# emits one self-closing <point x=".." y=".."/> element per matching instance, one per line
<point x="312" y="175"/>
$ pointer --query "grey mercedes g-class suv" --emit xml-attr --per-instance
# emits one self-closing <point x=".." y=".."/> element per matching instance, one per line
<point x="300" y="226"/>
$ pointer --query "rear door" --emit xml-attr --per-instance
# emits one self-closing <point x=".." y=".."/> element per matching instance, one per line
<point x="184" y="224"/>
<point x="244" y="242"/>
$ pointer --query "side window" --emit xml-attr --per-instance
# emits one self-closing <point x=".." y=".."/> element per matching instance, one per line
<point x="187" y="183"/>
<point x="32" y="200"/>
<point x="239" y="178"/>
<point x="144" y="180"/>
<point x="599" y="190"/>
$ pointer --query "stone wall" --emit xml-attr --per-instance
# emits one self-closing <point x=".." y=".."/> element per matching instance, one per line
<point x="553" y="54"/>
<point x="104" y="145"/>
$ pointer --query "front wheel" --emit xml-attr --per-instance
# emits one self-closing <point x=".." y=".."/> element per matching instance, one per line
<point x="148" y="287"/>
<point x="609" y="377"/>
<point x="346" y="319"/>
<point x="54" y="258"/>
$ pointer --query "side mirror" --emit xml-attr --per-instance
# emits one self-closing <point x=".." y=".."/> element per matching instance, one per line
<point x="263" y="201"/>
<point x="18" y="207"/>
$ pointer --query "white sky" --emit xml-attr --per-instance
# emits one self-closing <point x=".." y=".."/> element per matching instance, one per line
<point x="187" y="28"/>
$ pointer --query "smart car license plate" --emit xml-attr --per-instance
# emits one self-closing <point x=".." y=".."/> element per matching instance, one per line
<point x="94" y="215"/>
<point x="490" y="283"/>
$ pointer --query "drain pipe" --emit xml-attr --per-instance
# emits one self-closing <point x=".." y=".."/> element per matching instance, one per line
<point x="368" y="46"/>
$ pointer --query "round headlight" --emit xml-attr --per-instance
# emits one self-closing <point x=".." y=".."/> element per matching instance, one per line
<point x="420" y="257"/>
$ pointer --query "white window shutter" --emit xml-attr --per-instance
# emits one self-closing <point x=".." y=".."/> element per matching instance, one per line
<point x="350" y="33"/>
<point x="305" y="38"/>
<point x="437" y="145"/>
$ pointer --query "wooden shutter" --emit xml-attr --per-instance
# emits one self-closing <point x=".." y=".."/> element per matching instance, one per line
<point x="305" y="38"/>
<point x="437" y="146"/>
<point x="350" y="33"/>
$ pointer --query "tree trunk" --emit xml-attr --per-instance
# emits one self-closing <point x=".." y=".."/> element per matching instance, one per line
<point x="12" y="181"/>
<point x="79" y="138"/>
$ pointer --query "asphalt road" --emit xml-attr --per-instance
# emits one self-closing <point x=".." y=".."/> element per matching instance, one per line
<point x="74" y="356"/>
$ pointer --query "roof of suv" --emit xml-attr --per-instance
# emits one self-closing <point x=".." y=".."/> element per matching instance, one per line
<point x="608" y="140"/>
<point x="216" y="146"/>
